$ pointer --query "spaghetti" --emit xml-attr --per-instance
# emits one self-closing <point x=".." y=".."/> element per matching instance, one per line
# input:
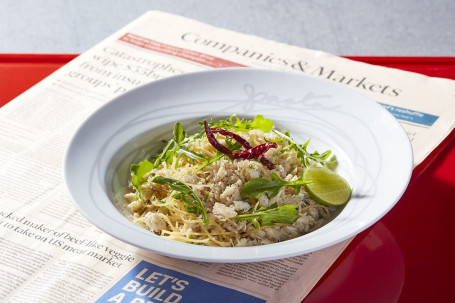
<point x="204" y="204"/>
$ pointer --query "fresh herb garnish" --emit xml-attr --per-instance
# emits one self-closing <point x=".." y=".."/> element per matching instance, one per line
<point x="172" y="146"/>
<point x="243" y="125"/>
<point x="178" y="145"/>
<point x="232" y="146"/>
<point x="270" y="215"/>
<point x="138" y="171"/>
<point x="215" y="158"/>
<point x="179" y="133"/>
<point x="239" y="141"/>
<point x="256" y="152"/>
<point x="305" y="156"/>
<point x="190" y="154"/>
<point x="257" y="186"/>
<point x="186" y="194"/>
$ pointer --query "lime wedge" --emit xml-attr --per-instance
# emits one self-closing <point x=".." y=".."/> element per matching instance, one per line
<point x="327" y="187"/>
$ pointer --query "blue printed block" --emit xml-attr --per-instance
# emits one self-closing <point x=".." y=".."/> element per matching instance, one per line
<point x="412" y="116"/>
<point x="147" y="282"/>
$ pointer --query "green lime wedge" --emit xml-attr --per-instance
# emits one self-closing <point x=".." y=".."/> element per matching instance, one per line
<point x="327" y="187"/>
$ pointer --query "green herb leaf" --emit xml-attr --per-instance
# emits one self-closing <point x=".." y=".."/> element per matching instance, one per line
<point x="176" y="147"/>
<point x="305" y="156"/>
<point x="215" y="158"/>
<point x="232" y="146"/>
<point x="236" y="146"/>
<point x="186" y="194"/>
<point x="179" y="134"/>
<point x="262" y="123"/>
<point x="138" y="172"/>
<point x="243" y="125"/>
<point x="190" y="154"/>
<point x="287" y="214"/>
<point x="188" y="202"/>
<point x="257" y="186"/>
<point x="164" y="155"/>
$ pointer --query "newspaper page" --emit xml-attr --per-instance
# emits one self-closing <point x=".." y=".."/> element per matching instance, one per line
<point x="51" y="253"/>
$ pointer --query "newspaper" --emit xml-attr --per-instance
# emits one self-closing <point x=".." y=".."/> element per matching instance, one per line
<point x="51" y="253"/>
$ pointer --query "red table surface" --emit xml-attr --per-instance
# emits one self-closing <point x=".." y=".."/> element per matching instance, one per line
<point x="407" y="256"/>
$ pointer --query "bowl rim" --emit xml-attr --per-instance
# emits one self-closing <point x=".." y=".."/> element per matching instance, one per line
<point x="222" y="254"/>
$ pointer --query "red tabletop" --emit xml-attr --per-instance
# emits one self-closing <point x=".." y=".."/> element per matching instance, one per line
<point x="407" y="256"/>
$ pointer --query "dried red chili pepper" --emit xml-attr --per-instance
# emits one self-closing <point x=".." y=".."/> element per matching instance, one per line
<point x="254" y="152"/>
<point x="212" y="140"/>
<point x="249" y="153"/>
<point x="234" y="136"/>
<point x="267" y="163"/>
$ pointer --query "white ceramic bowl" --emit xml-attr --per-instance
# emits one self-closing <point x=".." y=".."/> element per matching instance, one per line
<point x="373" y="150"/>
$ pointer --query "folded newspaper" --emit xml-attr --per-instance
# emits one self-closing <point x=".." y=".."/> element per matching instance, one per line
<point x="50" y="253"/>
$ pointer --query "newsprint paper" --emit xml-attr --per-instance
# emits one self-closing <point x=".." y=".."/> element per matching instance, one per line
<point x="50" y="253"/>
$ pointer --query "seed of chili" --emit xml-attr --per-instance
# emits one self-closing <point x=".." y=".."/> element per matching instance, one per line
<point x="249" y="153"/>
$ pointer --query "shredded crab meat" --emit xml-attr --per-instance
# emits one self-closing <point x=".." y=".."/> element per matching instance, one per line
<point x="218" y="186"/>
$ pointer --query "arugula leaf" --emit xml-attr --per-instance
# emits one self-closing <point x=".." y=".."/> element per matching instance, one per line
<point x="186" y="194"/>
<point x="269" y="215"/>
<point x="231" y="146"/>
<point x="190" y="154"/>
<point x="188" y="202"/>
<point x="138" y="172"/>
<point x="257" y="186"/>
<point x="179" y="133"/>
<point x="243" y="125"/>
<point x="164" y="155"/>
<point x="262" y="123"/>
<point x="178" y="145"/>
<point x="304" y="155"/>
<point x="215" y="158"/>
